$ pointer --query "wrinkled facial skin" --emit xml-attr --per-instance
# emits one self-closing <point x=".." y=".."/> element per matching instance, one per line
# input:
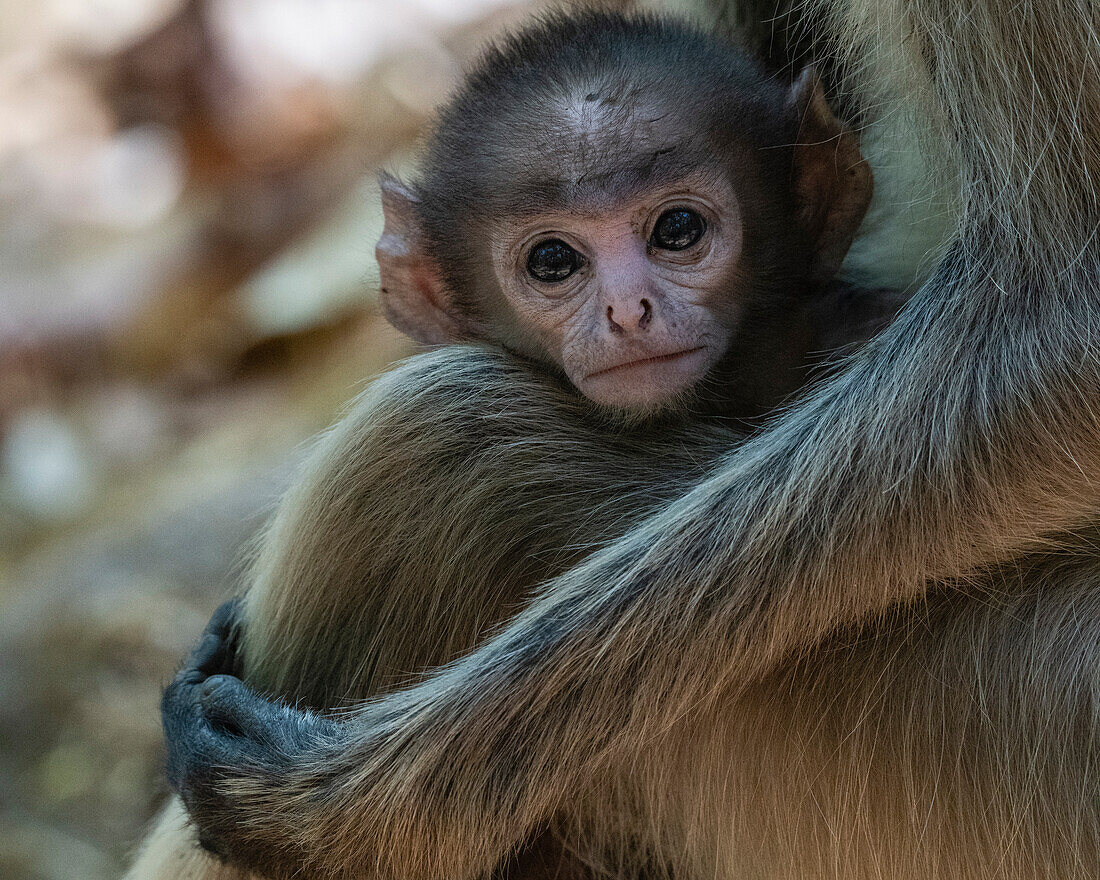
<point x="635" y="323"/>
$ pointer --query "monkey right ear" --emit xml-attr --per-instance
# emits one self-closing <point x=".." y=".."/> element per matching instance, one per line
<point x="415" y="299"/>
<point x="833" y="182"/>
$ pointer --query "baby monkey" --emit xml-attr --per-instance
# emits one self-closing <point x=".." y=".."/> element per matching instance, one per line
<point x="637" y="206"/>
<point x="629" y="203"/>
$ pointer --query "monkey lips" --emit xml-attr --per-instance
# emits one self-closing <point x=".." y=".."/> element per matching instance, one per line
<point x="648" y="379"/>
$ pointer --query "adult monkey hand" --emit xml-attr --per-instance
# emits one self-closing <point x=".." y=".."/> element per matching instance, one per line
<point x="203" y="739"/>
<point x="963" y="435"/>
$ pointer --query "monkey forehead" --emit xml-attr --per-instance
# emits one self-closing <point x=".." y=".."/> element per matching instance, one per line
<point x="581" y="186"/>
<point x="592" y="152"/>
<point x="607" y="135"/>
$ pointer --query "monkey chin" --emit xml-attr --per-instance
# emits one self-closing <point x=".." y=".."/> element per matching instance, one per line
<point x="648" y="387"/>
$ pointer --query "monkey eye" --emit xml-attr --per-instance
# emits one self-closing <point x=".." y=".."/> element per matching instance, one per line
<point x="676" y="229"/>
<point x="552" y="261"/>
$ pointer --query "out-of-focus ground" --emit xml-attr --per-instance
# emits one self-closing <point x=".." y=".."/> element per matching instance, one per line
<point x="188" y="213"/>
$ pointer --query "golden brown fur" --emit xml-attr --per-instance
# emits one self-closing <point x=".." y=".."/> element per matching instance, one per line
<point x="865" y="646"/>
<point x="488" y="477"/>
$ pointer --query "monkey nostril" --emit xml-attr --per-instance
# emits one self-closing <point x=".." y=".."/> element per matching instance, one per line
<point x="640" y="323"/>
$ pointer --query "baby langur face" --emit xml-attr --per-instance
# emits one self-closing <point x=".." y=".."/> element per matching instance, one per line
<point x="631" y="298"/>
<point x="635" y="293"/>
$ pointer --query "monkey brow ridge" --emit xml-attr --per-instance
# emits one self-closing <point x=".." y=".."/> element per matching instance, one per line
<point x="604" y="176"/>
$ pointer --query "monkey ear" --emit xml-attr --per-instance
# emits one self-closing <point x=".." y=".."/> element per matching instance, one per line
<point x="415" y="299"/>
<point x="833" y="182"/>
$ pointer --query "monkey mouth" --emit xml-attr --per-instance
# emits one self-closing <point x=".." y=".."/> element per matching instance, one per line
<point x="641" y="362"/>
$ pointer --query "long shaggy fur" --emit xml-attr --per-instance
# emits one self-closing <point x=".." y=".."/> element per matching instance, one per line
<point x="865" y="645"/>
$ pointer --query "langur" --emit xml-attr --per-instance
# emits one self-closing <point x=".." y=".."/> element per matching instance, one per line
<point x="655" y="302"/>
<point x="864" y="644"/>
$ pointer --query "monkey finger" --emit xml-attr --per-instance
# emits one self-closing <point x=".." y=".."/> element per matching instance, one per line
<point x="267" y="728"/>
<point x="226" y="616"/>
<point x="226" y="702"/>
<point x="193" y="745"/>
<point x="214" y="652"/>
<point x="217" y="648"/>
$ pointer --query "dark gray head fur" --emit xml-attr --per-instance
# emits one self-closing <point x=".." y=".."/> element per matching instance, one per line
<point x="506" y="142"/>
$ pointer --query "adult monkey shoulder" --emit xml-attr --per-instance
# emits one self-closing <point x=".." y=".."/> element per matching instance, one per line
<point x="959" y="439"/>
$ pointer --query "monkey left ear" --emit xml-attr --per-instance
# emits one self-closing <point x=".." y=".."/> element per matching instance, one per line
<point x="833" y="182"/>
<point x="415" y="298"/>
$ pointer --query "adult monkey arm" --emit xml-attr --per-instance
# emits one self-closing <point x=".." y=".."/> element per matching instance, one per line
<point x="456" y="484"/>
<point x="964" y="434"/>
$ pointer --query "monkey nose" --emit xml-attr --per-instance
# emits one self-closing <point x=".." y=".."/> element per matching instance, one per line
<point x="631" y="317"/>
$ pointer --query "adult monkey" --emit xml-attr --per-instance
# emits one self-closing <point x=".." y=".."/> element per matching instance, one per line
<point x="700" y="668"/>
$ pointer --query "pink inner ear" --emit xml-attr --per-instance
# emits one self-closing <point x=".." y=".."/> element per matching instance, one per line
<point x="834" y="180"/>
<point x="426" y="280"/>
<point x="415" y="299"/>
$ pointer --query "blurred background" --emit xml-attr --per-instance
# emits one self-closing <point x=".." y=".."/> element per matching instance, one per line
<point x="188" y="213"/>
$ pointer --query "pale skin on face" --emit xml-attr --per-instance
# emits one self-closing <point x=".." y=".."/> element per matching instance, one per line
<point x="636" y="324"/>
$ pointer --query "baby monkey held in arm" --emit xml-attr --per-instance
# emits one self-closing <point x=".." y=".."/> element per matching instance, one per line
<point x="640" y="230"/>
